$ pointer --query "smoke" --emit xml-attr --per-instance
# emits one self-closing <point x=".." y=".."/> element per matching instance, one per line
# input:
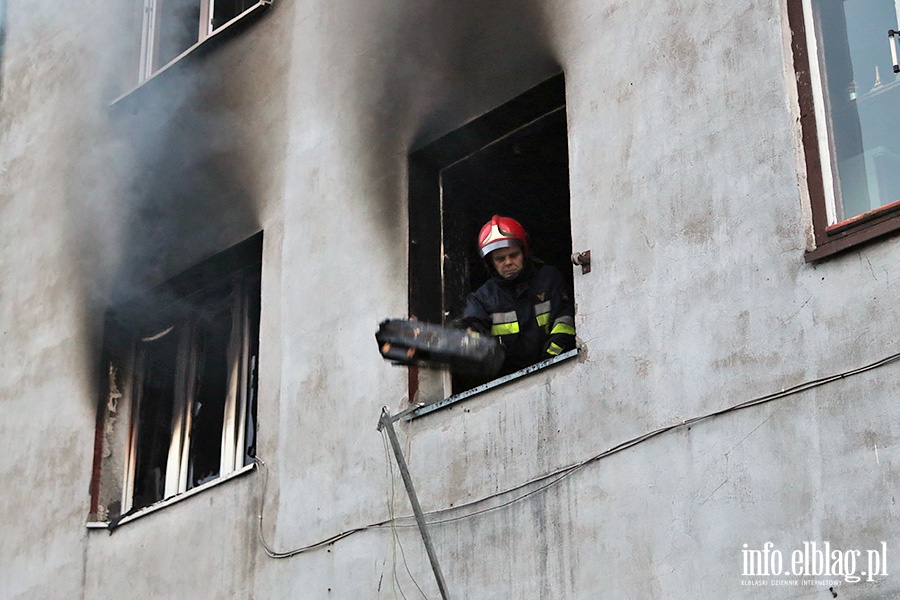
<point x="440" y="64"/>
<point x="192" y="161"/>
<point x="190" y="192"/>
<point x="128" y="194"/>
<point x="407" y="72"/>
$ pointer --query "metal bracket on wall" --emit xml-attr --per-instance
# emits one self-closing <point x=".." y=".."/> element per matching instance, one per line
<point x="584" y="260"/>
<point x="386" y="422"/>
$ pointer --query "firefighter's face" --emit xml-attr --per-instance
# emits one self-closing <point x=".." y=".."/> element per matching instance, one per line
<point x="508" y="261"/>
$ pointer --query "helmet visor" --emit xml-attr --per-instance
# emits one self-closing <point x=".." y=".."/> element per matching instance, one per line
<point x="496" y="245"/>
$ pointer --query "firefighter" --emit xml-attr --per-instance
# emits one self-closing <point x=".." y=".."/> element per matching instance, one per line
<point x="525" y="302"/>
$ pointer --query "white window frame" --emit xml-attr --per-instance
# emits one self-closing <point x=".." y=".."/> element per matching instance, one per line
<point x="151" y="29"/>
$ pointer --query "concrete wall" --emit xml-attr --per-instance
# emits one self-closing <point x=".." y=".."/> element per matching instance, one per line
<point x="686" y="184"/>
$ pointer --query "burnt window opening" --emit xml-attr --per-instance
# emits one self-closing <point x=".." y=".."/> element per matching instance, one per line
<point x="172" y="27"/>
<point x="512" y="161"/>
<point x="183" y="358"/>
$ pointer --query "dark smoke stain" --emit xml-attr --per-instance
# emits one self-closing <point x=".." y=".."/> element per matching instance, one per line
<point x="189" y="162"/>
<point x="191" y="192"/>
<point x="427" y="67"/>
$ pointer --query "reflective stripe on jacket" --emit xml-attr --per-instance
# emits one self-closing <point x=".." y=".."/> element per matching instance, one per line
<point x="532" y="314"/>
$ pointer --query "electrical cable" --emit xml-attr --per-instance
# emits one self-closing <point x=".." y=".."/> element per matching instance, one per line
<point x="550" y="479"/>
<point x="321" y="544"/>
<point x="567" y="471"/>
<point x="396" y="538"/>
<point x="395" y="581"/>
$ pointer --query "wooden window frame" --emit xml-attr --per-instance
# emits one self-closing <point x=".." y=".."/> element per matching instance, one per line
<point x="829" y="239"/>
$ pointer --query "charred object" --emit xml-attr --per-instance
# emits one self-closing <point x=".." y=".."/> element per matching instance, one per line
<point x="420" y="344"/>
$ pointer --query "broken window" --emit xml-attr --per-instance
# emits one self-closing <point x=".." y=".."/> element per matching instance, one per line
<point x="172" y="27"/>
<point x="513" y="161"/>
<point x="849" y="92"/>
<point x="184" y="358"/>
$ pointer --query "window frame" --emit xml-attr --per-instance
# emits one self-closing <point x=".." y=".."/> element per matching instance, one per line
<point x="829" y="238"/>
<point x="418" y="410"/>
<point x="149" y="66"/>
<point x="227" y="285"/>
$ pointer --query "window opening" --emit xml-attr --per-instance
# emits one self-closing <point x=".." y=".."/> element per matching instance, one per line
<point x="512" y="161"/>
<point x="185" y="355"/>
<point x="156" y="389"/>
<point x="862" y="93"/>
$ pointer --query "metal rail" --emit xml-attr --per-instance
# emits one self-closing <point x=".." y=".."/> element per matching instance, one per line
<point x="423" y="409"/>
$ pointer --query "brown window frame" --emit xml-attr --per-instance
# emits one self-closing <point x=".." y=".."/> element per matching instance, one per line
<point x="850" y="233"/>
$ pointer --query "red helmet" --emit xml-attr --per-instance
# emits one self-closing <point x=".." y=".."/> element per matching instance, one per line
<point x="502" y="232"/>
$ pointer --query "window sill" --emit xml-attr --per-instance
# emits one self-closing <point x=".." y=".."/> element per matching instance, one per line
<point x="423" y="409"/>
<point x="859" y="230"/>
<point x="215" y="34"/>
<point x="173" y="500"/>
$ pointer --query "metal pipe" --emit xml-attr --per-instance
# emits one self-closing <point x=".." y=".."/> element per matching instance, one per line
<point x="387" y="422"/>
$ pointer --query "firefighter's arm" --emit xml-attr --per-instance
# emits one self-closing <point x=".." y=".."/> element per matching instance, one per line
<point x="475" y="317"/>
<point x="562" y="320"/>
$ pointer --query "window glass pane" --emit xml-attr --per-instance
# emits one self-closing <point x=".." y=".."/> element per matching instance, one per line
<point x="214" y="363"/>
<point x="158" y="361"/>
<point x="225" y="10"/>
<point x="863" y="101"/>
<point x="253" y="297"/>
<point x="178" y="28"/>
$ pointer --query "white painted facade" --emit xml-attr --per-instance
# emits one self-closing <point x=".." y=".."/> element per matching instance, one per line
<point x="687" y="184"/>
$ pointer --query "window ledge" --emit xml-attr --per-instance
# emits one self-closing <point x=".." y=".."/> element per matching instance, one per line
<point x="215" y="33"/>
<point x="423" y="409"/>
<point x="865" y="228"/>
<point x="173" y="500"/>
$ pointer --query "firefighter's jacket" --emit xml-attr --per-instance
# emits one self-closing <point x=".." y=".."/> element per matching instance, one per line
<point x="532" y="314"/>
